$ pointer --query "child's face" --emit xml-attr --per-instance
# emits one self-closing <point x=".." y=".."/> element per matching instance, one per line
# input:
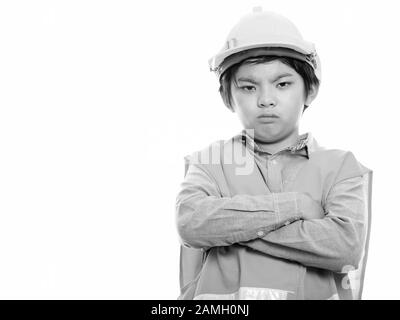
<point x="269" y="88"/>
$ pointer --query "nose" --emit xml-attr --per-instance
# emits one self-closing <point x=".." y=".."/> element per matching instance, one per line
<point x="266" y="99"/>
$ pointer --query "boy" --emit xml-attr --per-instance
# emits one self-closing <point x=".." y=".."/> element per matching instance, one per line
<point x="270" y="214"/>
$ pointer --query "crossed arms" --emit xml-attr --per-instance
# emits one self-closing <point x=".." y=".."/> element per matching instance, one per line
<point x="277" y="224"/>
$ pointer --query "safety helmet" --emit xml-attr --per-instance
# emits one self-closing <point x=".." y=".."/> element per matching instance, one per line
<point x="264" y="33"/>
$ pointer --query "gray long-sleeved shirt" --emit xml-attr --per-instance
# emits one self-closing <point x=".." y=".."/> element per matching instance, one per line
<point x="226" y="213"/>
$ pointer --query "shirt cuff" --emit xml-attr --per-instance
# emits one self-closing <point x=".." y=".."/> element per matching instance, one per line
<point x="287" y="208"/>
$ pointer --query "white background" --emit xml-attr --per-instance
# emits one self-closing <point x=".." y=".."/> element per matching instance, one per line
<point x="100" y="101"/>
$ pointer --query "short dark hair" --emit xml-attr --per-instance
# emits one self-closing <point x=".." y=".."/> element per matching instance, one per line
<point x="301" y="67"/>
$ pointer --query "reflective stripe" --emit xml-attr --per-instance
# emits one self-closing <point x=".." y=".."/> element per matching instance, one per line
<point x="247" y="293"/>
<point x="334" y="297"/>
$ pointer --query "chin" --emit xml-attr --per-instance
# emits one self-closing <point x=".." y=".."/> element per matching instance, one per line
<point x="267" y="138"/>
<point x="267" y="135"/>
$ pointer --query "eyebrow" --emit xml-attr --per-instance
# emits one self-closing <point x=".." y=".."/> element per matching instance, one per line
<point x="255" y="82"/>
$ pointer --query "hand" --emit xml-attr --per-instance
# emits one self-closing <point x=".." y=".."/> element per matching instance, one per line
<point x="310" y="208"/>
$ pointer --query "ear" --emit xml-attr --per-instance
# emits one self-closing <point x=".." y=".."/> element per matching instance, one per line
<point x="311" y="95"/>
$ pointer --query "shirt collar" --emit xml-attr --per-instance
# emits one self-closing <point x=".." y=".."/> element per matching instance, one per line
<point x="305" y="144"/>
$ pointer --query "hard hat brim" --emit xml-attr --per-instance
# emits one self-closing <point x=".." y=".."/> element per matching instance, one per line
<point x="303" y="48"/>
<point x="242" y="55"/>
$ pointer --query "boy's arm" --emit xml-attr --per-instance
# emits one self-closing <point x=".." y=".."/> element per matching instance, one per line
<point x="331" y="243"/>
<point x="205" y="219"/>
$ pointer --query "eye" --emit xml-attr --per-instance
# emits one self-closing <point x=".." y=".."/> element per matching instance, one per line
<point x="248" y="88"/>
<point x="284" y="84"/>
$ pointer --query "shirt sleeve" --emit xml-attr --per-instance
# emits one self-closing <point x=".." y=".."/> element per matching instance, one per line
<point x="334" y="242"/>
<point x="206" y="219"/>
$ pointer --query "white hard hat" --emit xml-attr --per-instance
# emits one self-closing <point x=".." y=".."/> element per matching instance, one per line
<point x="270" y="34"/>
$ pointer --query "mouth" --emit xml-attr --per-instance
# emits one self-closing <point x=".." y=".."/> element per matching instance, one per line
<point x="267" y="118"/>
